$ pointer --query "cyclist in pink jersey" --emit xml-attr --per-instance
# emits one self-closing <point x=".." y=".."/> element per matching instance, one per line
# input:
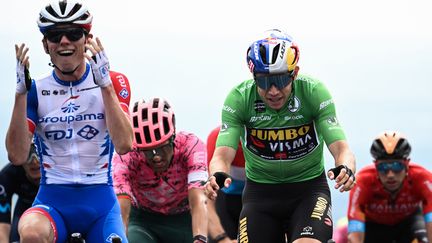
<point x="392" y="201"/>
<point x="160" y="183"/>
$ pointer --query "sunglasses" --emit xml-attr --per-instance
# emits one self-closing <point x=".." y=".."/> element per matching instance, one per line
<point x="395" y="166"/>
<point x="162" y="150"/>
<point x="73" y="34"/>
<point x="279" y="81"/>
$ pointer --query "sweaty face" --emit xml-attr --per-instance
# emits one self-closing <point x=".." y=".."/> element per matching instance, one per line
<point x="159" y="158"/>
<point x="66" y="47"/>
<point x="391" y="174"/>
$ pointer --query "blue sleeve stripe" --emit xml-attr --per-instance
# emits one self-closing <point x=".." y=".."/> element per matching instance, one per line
<point x="32" y="103"/>
<point x="356" y="226"/>
<point x="428" y="217"/>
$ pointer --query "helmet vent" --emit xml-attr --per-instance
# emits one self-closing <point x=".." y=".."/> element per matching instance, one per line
<point x="166" y="125"/>
<point x="138" y="138"/>
<point x="166" y="106"/>
<point x="155" y="118"/>
<point x="157" y="134"/>
<point x="155" y="103"/>
<point x="51" y="11"/>
<point x="144" y="114"/>
<point x="275" y="53"/>
<point x="75" y="9"/>
<point x="147" y="134"/>
<point x="135" y="121"/>
<point x="135" y="107"/>
<point x="63" y="6"/>
<point x="84" y="16"/>
<point x="263" y="54"/>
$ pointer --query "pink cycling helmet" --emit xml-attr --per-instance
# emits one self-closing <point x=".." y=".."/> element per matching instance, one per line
<point x="153" y="122"/>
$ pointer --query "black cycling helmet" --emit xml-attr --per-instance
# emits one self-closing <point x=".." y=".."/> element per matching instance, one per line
<point x="390" y="145"/>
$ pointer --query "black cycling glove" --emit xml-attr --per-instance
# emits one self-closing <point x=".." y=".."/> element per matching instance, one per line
<point x="336" y="171"/>
<point x="220" y="178"/>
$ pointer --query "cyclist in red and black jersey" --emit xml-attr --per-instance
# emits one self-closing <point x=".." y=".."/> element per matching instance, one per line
<point x="392" y="201"/>
<point x="224" y="213"/>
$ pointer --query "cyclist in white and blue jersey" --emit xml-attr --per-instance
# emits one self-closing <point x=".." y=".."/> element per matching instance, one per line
<point x="79" y="112"/>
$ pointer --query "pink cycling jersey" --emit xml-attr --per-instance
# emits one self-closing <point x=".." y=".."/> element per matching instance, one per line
<point x="167" y="192"/>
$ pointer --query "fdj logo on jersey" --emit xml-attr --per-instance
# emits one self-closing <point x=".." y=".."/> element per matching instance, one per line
<point x="87" y="132"/>
<point x="286" y="143"/>
<point x="59" y="134"/>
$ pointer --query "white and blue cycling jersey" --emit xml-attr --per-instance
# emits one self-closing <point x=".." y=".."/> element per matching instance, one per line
<point x="69" y="119"/>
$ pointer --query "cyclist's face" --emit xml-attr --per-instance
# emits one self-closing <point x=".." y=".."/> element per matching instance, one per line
<point x="159" y="158"/>
<point x="391" y="173"/>
<point x="32" y="169"/>
<point x="65" y="52"/>
<point x="275" y="97"/>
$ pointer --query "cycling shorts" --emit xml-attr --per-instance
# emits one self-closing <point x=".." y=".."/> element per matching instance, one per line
<point x="147" y="227"/>
<point x="228" y="208"/>
<point x="287" y="211"/>
<point x="413" y="227"/>
<point x="92" y="210"/>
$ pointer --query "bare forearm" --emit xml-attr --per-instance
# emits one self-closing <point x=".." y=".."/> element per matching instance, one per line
<point x="429" y="231"/>
<point x="125" y="207"/>
<point x="343" y="155"/>
<point x="355" y="237"/>
<point x="222" y="159"/>
<point x="197" y="204"/>
<point x="214" y="226"/>
<point x="199" y="220"/>
<point x="18" y="137"/>
<point x="4" y="232"/>
<point x="117" y="121"/>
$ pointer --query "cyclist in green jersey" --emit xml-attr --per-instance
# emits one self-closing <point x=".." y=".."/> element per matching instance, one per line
<point x="283" y="119"/>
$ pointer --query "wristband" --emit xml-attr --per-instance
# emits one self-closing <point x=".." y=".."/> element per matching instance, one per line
<point x="200" y="238"/>
<point x="220" y="237"/>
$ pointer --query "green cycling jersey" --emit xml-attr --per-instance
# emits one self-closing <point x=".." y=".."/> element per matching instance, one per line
<point x="286" y="145"/>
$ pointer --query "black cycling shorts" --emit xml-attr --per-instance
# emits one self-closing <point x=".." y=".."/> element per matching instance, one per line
<point x="285" y="212"/>
<point x="228" y="208"/>
<point x="414" y="227"/>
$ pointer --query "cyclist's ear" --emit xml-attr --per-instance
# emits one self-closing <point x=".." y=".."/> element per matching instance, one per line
<point x="296" y="70"/>
<point x="88" y="36"/>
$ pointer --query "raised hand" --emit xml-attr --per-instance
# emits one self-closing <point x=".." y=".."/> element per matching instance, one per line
<point x="23" y="75"/>
<point x="99" y="62"/>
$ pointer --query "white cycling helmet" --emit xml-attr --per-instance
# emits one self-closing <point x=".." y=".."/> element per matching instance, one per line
<point x="64" y="12"/>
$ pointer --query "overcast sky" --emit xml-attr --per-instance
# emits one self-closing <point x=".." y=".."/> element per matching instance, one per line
<point x="374" y="56"/>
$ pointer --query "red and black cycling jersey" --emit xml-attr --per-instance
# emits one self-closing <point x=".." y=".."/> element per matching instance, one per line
<point x="369" y="201"/>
